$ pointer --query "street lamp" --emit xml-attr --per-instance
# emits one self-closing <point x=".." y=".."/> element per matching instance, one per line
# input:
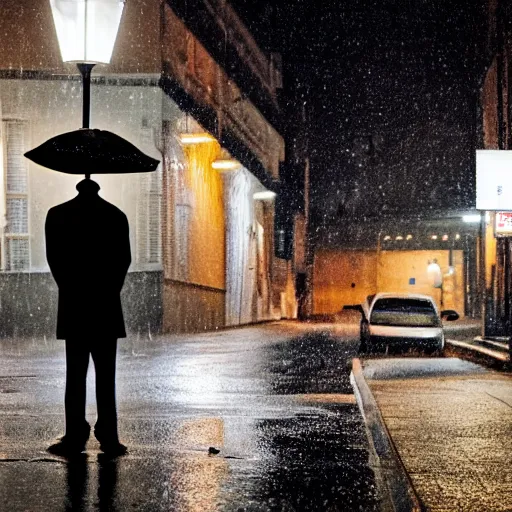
<point x="87" y="31"/>
<point x="265" y="195"/>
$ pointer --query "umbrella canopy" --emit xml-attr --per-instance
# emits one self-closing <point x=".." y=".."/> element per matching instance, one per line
<point x="91" y="151"/>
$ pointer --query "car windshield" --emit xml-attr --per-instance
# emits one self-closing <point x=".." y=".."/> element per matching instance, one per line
<point x="405" y="313"/>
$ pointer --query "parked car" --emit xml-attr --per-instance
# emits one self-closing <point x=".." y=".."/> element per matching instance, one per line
<point x="403" y="322"/>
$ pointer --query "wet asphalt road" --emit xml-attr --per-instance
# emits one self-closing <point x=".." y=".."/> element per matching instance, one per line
<point x="275" y="400"/>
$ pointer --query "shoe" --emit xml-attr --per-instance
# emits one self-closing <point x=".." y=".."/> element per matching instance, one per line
<point x="65" y="448"/>
<point x="115" y="449"/>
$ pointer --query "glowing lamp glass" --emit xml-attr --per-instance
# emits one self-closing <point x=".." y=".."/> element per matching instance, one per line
<point x="471" y="218"/>
<point x="196" y="138"/>
<point x="226" y="165"/>
<point x="87" y="29"/>
<point x="265" y="195"/>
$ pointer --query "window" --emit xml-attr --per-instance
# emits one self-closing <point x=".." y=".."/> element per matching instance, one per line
<point x="182" y="221"/>
<point x="405" y="313"/>
<point x="149" y="244"/>
<point x="15" y="240"/>
<point x="154" y="209"/>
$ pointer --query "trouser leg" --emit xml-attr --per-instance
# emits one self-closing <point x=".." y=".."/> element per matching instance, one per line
<point x="77" y="362"/>
<point x="104" y="357"/>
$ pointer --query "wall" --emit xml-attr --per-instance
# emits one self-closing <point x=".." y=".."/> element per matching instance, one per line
<point x="194" y="286"/>
<point x="283" y="289"/>
<point x="54" y="106"/>
<point x="490" y="251"/>
<point x="207" y="237"/>
<point x="489" y="100"/>
<point x="28" y="304"/>
<point x="335" y="271"/>
<point x="192" y="307"/>
<point x="396" y="268"/>
<point x="249" y="244"/>
<point x="186" y="60"/>
<point x="240" y="275"/>
<point x="28" y="299"/>
<point x="151" y="51"/>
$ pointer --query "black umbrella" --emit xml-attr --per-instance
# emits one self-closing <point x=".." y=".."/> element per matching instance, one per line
<point x="90" y="151"/>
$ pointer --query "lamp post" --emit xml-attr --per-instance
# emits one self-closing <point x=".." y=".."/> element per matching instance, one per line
<point x="87" y="31"/>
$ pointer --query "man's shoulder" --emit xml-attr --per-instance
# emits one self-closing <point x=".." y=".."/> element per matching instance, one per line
<point x="74" y="205"/>
<point x="58" y="208"/>
<point x="113" y="209"/>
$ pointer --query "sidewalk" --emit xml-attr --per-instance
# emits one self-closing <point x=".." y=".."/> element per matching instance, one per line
<point x="441" y="430"/>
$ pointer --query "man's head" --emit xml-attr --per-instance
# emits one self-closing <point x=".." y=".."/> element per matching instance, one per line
<point x="87" y="187"/>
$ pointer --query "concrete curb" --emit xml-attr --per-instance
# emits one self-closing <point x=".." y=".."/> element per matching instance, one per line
<point x="500" y="345"/>
<point x="494" y="354"/>
<point x="396" y="489"/>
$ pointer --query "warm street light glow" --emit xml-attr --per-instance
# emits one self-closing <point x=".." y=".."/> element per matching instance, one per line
<point x="445" y="237"/>
<point x="226" y="165"/>
<point x="196" y="138"/>
<point x="409" y="237"/>
<point x="471" y="218"/>
<point x="399" y="237"/>
<point x="434" y="237"/>
<point x="265" y="195"/>
<point x="87" y="29"/>
<point x="434" y="274"/>
<point x="387" y="237"/>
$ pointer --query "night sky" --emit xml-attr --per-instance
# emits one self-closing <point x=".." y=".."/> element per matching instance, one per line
<point x="392" y="91"/>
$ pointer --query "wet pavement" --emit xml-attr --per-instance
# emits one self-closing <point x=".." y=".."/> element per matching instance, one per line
<point x="275" y="400"/>
<point x="451" y="423"/>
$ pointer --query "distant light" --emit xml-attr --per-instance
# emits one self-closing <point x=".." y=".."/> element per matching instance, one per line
<point x="226" y="165"/>
<point x="265" y="195"/>
<point x="399" y="237"/>
<point x="434" y="237"/>
<point x="457" y="236"/>
<point x="471" y="218"/>
<point x="434" y="274"/>
<point x="196" y="138"/>
<point x="409" y="237"/>
<point x="387" y="237"/>
<point x="445" y="237"/>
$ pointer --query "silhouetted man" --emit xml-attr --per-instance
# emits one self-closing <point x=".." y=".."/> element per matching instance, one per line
<point x="88" y="250"/>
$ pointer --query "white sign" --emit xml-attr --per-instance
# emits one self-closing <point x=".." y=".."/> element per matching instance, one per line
<point x="493" y="180"/>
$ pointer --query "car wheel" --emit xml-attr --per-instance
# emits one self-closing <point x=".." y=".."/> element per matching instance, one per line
<point x="363" y="336"/>
<point x="435" y="348"/>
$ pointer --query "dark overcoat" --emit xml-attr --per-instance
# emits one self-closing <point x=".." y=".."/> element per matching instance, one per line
<point x="88" y="250"/>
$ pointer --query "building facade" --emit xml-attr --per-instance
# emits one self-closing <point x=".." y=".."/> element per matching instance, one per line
<point x="398" y="257"/>
<point x="496" y="133"/>
<point x="201" y="238"/>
